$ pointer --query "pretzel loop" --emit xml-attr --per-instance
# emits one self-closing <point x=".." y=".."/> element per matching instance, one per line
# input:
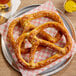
<point x="10" y="32"/>
<point x="31" y="36"/>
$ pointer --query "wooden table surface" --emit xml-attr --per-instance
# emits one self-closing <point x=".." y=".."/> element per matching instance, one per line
<point x="70" y="70"/>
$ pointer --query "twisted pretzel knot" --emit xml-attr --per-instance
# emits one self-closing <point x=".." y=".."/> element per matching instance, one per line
<point x="25" y="23"/>
<point x="31" y="36"/>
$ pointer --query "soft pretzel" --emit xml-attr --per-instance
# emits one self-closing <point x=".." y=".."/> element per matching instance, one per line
<point x="50" y="14"/>
<point x="32" y="37"/>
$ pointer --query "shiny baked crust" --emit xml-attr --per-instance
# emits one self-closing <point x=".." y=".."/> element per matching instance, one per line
<point x="31" y="36"/>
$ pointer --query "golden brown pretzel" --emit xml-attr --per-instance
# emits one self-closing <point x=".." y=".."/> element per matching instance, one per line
<point x="31" y="36"/>
<point x="50" y="14"/>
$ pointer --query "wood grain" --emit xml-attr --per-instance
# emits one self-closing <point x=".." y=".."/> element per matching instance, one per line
<point x="70" y="70"/>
